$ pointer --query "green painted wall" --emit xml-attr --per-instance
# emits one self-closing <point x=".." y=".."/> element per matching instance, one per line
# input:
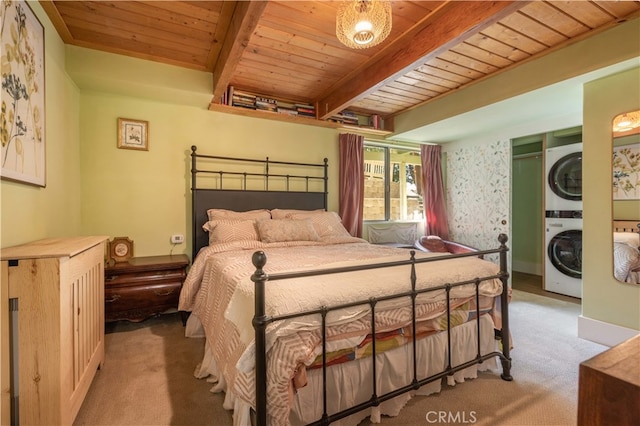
<point x="604" y="298"/>
<point x="145" y="195"/>
<point x="31" y="213"/>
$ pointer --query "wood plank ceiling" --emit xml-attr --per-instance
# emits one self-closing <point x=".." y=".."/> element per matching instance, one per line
<point x="288" y="49"/>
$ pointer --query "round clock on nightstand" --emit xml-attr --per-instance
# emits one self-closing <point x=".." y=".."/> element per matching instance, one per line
<point x="120" y="249"/>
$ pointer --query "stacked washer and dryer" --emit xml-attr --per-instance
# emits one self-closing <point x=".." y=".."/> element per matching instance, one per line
<point x="563" y="221"/>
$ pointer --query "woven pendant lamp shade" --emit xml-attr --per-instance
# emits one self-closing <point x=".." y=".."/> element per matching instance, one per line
<point x="363" y="23"/>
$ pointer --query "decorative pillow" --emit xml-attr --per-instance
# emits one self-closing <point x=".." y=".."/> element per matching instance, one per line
<point x="434" y="243"/>
<point x="279" y="230"/>
<point x="629" y="238"/>
<point x="326" y="224"/>
<point x="234" y="215"/>
<point x="284" y="213"/>
<point x="226" y="231"/>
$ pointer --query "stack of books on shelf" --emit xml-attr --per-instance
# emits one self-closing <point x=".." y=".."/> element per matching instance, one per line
<point x="349" y="117"/>
<point x="305" y="110"/>
<point x="243" y="99"/>
<point x="286" y="108"/>
<point x="345" y="117"/>
<point x="266" y="104"/>
<point x="375" y="121"/>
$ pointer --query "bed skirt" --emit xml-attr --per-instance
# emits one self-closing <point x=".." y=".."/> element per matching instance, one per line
<point x="393" y="372"/>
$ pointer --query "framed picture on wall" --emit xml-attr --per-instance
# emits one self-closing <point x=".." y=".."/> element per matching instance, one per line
<point x="626" y="172"/>
<point x="133" y="134"/>
<point x="22" y="123"/>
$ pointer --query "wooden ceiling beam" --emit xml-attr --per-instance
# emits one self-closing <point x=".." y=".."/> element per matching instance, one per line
<point x="56" y="19"/>
<point x="448" y="25"/>
<point x="246" y="15"/>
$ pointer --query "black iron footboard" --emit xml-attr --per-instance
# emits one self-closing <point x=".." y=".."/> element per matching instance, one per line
<point x="260" y="322"/>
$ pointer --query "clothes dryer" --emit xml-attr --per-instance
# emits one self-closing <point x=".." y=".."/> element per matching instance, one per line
<point x="563" y="260"/>
<point x="563" y="168"/>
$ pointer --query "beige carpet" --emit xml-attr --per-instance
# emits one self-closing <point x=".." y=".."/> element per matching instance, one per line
<point x="147" y="377"/>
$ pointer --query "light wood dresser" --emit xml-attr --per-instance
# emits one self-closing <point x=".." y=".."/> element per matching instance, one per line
<point x="53" y="333"/>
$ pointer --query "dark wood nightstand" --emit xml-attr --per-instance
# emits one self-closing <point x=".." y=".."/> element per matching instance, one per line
<point x="143" y="287"/>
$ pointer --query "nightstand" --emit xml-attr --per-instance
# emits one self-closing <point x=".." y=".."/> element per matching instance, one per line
<point x="143" y="287"/>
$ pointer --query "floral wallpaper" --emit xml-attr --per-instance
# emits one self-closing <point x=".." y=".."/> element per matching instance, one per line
<point x="478" y="193"/>
<point x="626" y="172"/>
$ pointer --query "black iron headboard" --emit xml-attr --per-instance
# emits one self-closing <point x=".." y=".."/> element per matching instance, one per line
<point x="256" y="188"/>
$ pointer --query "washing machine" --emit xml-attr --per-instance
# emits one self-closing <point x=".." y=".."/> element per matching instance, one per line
<point x="563" y="169"/>
<point x="563" y="260"/>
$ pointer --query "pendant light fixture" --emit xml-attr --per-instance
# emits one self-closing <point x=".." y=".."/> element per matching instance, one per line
<point x="363" y="23"/>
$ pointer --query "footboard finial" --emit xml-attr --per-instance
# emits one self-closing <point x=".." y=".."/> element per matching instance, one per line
<point x="259" y="259"/>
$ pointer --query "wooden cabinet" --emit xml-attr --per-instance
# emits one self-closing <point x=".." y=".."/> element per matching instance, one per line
<point x="143" y="287"/>
<point x="609" y="387"/>
<point x="55" y="288"/>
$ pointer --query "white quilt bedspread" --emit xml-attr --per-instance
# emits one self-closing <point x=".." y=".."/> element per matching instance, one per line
<point x="219" y="291"/>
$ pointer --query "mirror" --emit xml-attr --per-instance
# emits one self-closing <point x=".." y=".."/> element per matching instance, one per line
<point x="626" y="197"/>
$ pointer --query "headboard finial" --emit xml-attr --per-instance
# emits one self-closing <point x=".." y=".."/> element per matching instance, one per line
<point x="193" y="148"/>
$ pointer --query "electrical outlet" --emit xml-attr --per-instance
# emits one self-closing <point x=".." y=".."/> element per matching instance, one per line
<point x="177" y="239"/>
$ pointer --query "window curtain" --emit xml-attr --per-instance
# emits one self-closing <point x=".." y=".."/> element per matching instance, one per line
<point x="351" y="193"/>
<point x="433" y="192"/>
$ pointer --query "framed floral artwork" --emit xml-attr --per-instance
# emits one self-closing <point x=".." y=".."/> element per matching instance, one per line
<point x="133" y="134"/>
<point x="626" y="172"/>
<point x="22" y="120"/>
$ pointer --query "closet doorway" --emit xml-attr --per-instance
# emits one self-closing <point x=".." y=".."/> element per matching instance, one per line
<point x="527" y="205"/>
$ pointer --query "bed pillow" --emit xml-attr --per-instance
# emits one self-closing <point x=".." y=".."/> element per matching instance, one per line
<point x="326" y="224"/>
<point x="629" y="238"/>
<point x="434" y="243"/>
<point x="284" y="213"/>
<point x="234" y="215"/>
<point x="280" y="230"/>
<point x="228" y="230"/>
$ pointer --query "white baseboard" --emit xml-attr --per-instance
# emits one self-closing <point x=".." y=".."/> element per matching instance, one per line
<point x="603" y="333"/>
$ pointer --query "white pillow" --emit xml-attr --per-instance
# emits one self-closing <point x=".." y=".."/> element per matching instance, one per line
<point x="226" y="231"/>
<point x="326" y="224"/>
<point x="278" y="230"/>
<point x="630" y="238"/>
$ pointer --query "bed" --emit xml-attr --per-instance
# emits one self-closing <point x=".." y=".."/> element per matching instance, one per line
<point x="626" y="251"/>
<point x="305" y="324"/>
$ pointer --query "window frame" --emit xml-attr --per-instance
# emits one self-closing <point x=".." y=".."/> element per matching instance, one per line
<point x="387" y="180"/>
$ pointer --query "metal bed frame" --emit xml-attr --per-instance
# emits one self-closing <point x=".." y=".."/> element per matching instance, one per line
<point x="244" y="199"/>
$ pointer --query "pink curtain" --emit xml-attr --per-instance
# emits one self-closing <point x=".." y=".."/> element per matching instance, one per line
<point x="433" y="192"/>
<point x="351" y="193"/>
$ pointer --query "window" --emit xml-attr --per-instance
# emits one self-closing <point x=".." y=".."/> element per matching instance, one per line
<point x="391" y="183"/>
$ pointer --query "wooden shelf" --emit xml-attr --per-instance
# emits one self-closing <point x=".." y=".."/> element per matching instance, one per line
<point x="294" y="119"/>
